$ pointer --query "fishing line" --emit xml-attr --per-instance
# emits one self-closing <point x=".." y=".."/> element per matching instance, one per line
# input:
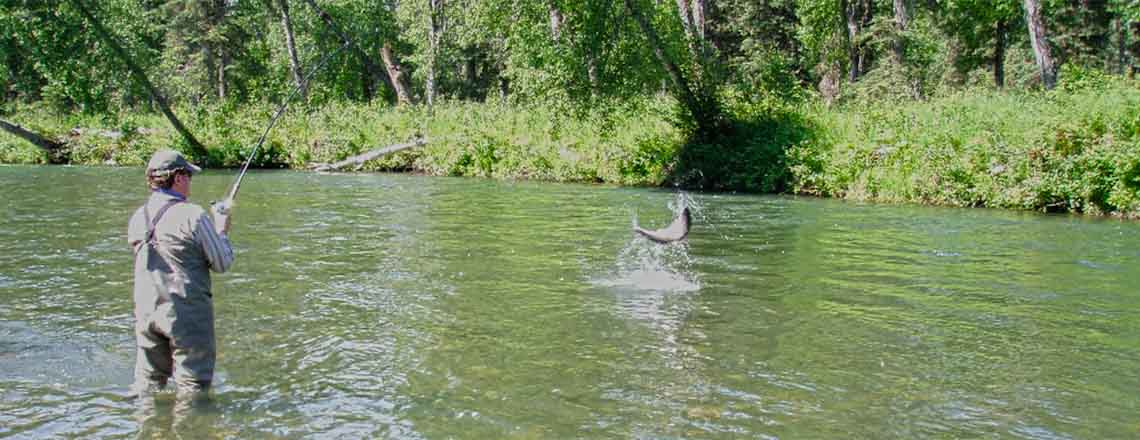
<point x="223" y="207"/>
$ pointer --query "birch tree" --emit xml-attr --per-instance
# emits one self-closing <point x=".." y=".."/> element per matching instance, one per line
<point x="1041" y="51"/>
<point x="291" y="48"/>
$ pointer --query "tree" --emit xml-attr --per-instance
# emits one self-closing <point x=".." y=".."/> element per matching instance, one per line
<point x="1127" y="14"/>
<point x="50" y="56"/>
<point x="858" y="15"/>
<point x="198" y="44"/>
<point x="902" y="20"/>
<point x="757" y="44"/>
<point x="197" y="147"/>
<point x="1081" y="31"/>
<point x="396" y="74"/>
<point x="371" y="72"/>
<point x="436" y="23"/>
<point x="982" y="33"/>
<point x="53" y="148"/>
<point x="291" y="48"/>
<point x="1041" y="50"/>
<point x="700" y="104"/>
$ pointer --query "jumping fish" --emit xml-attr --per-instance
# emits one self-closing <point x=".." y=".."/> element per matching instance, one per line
<point x="676" y="231"/>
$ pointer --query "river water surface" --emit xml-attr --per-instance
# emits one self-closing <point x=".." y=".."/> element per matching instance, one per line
<point x="395" y="306"/>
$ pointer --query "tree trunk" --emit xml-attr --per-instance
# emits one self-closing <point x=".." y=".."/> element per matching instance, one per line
<point x="555" y="21"/>
<point x="396" y="74"/>
<point x="856" y="18"/>
<point x="700" y="11"/>
<point x="435" y="29"/>
<point x="1134" y="48"/>
<point x="680" y="85"/>
<point x="360" y="159"/>
<point x="53" y="148"/>
<point x="215" y="16"/>
<point x="1121" y="45"/>
<point x="592" y="75"/>
<point x="224" y="57"/>
<point x="371" y="72"/>
<point x="470" y="79"/>
<point x="1040" y="45"/>
<point x="211" y="71"/>
<point x="999" y="53"/>
<point x="704" y="112"/>
<point x="902" y="20"/>
<point x="197" y="147"/>
<point x="867" y="10"/>
<point x="955" y="75"/>
<point x="291" y="48"/>
<point x="686" y="14"/>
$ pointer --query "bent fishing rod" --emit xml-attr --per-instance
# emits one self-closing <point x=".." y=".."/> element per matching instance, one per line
<point x="223" y="207"/>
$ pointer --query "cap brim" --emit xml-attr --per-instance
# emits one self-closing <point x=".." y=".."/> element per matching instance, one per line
<point x="194" y="169"/>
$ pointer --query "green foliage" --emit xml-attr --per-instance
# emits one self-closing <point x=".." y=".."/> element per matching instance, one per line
<point x="822" y="30"/>
<point x="751" y="155"/>
<point x="1071" y="150"/>
<point x="617" y="143"/>
<point x="593" y="102"/>
<point x="764" y="73"/>
<point x="1076" y="78"/>
<point x="52" y="55"/>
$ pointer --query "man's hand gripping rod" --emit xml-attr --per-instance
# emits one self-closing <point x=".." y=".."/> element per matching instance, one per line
<point x="224" y="206"/>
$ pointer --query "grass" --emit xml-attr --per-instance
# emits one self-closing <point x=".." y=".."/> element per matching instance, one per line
<point x="1075" y="149"/>
<point x="621" y="144"/>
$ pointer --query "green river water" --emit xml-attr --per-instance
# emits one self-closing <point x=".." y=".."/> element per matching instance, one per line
<point x="397" y="306"/>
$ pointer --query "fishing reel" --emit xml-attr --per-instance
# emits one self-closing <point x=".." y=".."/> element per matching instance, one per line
<point x="222" y="207"/>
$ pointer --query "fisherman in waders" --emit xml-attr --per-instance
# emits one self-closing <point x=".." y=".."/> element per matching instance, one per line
<point x="176" y="245"/>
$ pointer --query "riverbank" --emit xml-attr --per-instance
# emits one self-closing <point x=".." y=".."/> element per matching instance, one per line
<point x="1076" y="149"/>
<point x="1071" y="150"/>
<point x="628" y="145"/>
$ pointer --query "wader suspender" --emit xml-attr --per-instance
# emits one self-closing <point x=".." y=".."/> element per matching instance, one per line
<point x="152" y="245"/>
<point x="151" y="225"/>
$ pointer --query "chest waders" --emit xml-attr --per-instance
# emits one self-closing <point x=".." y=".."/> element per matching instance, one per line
<point x="152" y="250"/>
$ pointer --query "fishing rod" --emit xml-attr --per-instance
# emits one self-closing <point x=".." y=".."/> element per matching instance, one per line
<point x="223" y="207"/>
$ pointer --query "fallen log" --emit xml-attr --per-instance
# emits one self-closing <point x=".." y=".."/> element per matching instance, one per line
<point x="359" y="159"/>
<point x="54" y="149"/>
<point x="109" y="134"/>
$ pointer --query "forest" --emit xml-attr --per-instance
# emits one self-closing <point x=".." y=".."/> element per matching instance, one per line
<point x="1026" y="104"/>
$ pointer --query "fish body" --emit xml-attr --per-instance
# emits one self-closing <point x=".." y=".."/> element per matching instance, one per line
<point x="676" y="231"/>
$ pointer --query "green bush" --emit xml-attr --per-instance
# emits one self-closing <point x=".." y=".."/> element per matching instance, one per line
<point x="1074" y="149"/>
<point x="751" y="153"/>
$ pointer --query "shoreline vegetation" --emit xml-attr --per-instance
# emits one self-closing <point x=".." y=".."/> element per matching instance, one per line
<point x="1018" y="104"/>
<point x="1073" y="149"/>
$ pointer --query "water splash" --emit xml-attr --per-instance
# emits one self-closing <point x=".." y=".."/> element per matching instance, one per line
<point x="645" y="265"/>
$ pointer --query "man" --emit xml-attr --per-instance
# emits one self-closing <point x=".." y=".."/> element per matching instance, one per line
<point x="176" y="245"/>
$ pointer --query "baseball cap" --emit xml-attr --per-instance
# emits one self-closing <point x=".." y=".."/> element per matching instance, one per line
<point x="166" y="161"/>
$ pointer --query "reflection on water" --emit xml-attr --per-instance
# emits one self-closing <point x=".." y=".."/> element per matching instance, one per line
<point x="379" y="306"/>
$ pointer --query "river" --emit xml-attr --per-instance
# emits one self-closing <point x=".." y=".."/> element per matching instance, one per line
<point x="400" y="306"/>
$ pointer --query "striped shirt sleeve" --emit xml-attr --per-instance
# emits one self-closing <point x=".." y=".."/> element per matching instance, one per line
<point x="216" y="246"/>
